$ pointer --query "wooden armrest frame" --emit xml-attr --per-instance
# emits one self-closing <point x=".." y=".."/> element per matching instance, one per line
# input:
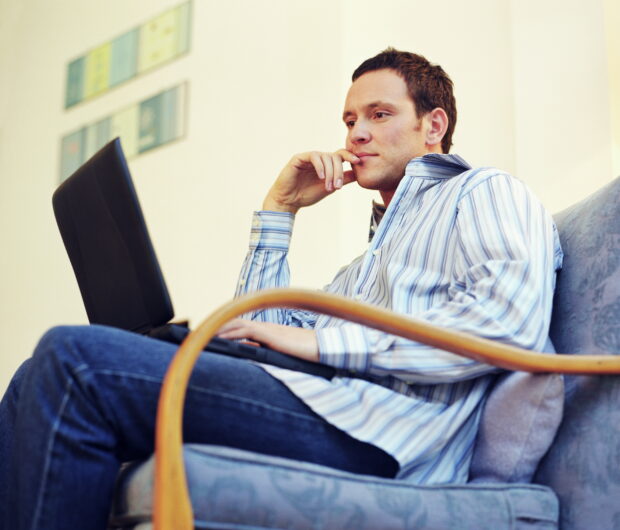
<point x="172" y="509"/>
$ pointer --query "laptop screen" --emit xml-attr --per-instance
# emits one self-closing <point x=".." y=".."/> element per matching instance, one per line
<point x="108" y="244"/>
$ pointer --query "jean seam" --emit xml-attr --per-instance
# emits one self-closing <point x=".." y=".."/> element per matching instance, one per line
<point x="50" y="446"/>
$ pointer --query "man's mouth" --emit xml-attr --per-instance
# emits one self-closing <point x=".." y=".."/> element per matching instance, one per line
<point x="365" y="156"/>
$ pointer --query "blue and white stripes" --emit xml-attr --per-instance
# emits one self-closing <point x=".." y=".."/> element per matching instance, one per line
<point x="470" y="250"/>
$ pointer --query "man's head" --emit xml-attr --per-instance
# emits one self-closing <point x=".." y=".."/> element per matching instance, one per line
<point x="428" y="85"/>
<point x="392" y="116"/>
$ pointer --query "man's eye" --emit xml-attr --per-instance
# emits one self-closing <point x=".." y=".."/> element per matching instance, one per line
<point x="349" y="123"/>
<point x="380" y="114"/>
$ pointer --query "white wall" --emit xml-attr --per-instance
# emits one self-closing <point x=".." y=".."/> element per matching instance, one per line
<point x="563" y="128"/>
<point x="267" y="79"/>
<point x="612" y="17"/>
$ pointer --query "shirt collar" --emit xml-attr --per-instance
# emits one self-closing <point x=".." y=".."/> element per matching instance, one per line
<point x="432" y="165"/>
<point x="436" y="165"/>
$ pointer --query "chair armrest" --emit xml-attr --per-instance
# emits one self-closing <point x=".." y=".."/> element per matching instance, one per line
<point x="172" y="508"/>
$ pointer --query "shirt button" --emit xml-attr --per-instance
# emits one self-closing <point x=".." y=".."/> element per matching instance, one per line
<point x="376" y="252"/>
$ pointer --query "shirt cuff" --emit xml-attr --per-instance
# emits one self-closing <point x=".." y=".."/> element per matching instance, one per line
<point x="344" y="347"/>
<point x="271" y="230"/>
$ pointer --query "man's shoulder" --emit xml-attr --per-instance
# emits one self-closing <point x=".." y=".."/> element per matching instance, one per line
<point x="482" y="173"/>
<point x="470" y="179"/>
<point x="451" y="174"/>
<point x="488" y="183"/>
<point x="454" y="169"/>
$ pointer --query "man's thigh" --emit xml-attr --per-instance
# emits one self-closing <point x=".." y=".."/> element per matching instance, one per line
<point x="230" y="402"/>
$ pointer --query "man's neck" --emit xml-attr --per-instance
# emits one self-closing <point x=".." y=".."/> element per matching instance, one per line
<point x="386" y="197"/>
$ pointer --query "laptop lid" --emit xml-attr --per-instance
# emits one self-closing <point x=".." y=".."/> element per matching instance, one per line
<point x="105" y="235"/>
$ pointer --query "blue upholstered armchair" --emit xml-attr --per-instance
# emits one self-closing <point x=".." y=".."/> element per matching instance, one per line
<point x="532" y="467"/>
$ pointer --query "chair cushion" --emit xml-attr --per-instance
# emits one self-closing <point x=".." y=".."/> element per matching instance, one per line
<point x="582" y="465"/>
<point x="239" y="489"/>
<point x="518" y="425"/>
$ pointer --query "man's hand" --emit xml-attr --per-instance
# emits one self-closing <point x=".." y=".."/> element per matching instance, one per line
<point x="297" y="342"/>
<point x="308" y="178"/>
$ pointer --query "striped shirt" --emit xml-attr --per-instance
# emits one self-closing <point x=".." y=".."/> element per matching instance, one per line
<point x="469" y="249"/>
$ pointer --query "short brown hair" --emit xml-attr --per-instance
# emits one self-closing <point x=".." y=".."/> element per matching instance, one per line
<point x="429" y="86"/>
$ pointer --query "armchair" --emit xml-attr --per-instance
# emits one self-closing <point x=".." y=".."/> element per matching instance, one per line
<point x="576" y="484"/>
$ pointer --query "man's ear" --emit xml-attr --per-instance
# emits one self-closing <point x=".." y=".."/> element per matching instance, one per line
<point x="437" y="121"/>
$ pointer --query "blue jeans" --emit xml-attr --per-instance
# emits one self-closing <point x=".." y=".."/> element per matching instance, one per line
<point x="86" y="402"/>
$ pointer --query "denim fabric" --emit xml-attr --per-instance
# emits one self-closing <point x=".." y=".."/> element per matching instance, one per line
<point x="8" y="411"/>
<point x="230" y="488"/>
<point x="86" y="402"/>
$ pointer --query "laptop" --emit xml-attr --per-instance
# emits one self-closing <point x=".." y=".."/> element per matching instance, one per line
<point x="120" y="280"/>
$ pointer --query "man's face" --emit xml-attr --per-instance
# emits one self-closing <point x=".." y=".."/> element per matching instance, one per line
<point x="384" y="130"/>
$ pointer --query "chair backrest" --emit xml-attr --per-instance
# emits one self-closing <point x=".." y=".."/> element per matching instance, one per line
<point x="582" y="464"/>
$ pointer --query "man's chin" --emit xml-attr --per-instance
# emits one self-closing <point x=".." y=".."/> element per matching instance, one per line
<point x="360" y="176"/>
<point x="367" y="185"/>
<point x="376" y="181"/>
<point x="367" y="180"/>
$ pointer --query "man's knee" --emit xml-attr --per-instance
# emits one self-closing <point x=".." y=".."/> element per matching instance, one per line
<point x="48" y="355"/>
<point x="67" y="346"/>
<point x="59" y="338"/>
<point x="56" y="334"/>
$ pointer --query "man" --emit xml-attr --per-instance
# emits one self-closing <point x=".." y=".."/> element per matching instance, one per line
<point x="468" y="249"/>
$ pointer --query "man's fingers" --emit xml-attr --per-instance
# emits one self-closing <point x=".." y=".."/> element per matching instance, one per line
<point x="334" y="172"/>
<point x="237" y="328"/>
<point x="328" y="164"/>
<point x="338" y="179"/>
<point x="346" y="177"/>
<point x="348" y="156"/>
<point x="317" y="162"/>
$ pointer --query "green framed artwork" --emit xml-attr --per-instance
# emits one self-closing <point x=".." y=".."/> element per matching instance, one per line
<point x="162" y="39"/>
<point x="153" y="122"/>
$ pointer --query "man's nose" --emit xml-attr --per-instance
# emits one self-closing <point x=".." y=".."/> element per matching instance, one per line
<point x="359" y="133"/>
